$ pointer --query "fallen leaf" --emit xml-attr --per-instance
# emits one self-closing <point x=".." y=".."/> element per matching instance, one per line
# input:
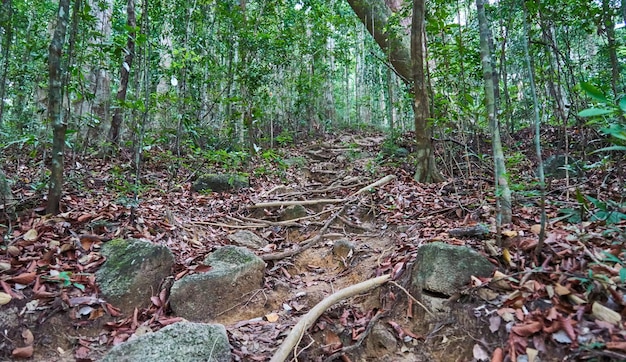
<point x="28" y="337"/>
<point x="24" y="278"/>
<point x="272" y="317"/>
<point x="498" y="355"/>
<point x="561" y="290"/>
<point x="621" y="346"/>
<point x="31" y="235"/>
<point x="509" y="233"/>
<point x="4" y="298"/>
<point x="535" y="229"/>
<point x="494" y="323"/>
<point x="23" y="352"/>
<point x="479" y="353"/>
<point x="528" y="329"/>
<point x="532" y="354"/>
<point x="605" y="314"/>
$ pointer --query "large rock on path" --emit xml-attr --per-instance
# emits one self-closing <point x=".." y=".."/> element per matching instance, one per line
<point x="133" y="272"/>
<point x="235" y="273"/>
<point x="179" y="342"/>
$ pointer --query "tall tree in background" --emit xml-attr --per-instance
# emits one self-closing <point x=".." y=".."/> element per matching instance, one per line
<point x="503" y="193"/>
<point x="425" y="169"/>
<point x="55" y="100"/>
<point x="6" y="22"/>
<point x="406" y="54"/>
<point x="116" y="121"/>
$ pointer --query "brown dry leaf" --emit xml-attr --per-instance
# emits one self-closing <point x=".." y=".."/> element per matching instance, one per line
<point x="23" y="352"/>
<point x="500" y="282"/>
<point x="528" y="329"/>
<point x="28" y="337"/>
<point x="24" y="278"/>
<point x="31" y="235"/>
<point x="621" y="346"/>
<point x="498" y="355"/>
<point x="4" y="298"/>
<point x="487" y="294"/>
<point x="13" y="250"/>
<point x="272" y="317"/>
<point x="509" y="233"/>
<point x="605" y="314"/>
<point x="561" y="290"/>
<point x="535" y="229"/>
<point x="532" y="354"/>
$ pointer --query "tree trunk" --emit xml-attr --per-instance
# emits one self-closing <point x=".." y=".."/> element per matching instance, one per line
<point x="374" y="14"/>
<point x="55" y="115"/>
<point x="503" y="193"/>
<point x="116" y="121"/>
<point x="6" y="15"/>
<point x="425" y="169"/>
<point x="406" y="54"/>
<point x="609" y="28"/>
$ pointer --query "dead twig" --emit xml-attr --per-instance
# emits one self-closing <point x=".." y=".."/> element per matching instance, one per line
<point x="308" y="319"/>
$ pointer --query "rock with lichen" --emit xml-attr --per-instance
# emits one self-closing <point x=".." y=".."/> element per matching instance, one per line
<point x="132" y="273"/>
<point x="234" y="273"/>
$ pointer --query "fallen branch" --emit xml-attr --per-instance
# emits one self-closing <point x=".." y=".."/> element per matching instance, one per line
<point x="290" y="203"/>
<point x="308" y="319"/>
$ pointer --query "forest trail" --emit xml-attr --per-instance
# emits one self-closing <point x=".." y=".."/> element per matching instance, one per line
<point x="340" y="235"/>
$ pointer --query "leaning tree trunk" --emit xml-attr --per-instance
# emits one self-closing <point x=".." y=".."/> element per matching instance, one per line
<point x="116" y="121"/>
<point x="55" y="116"/>
<point x="503" y="193"/>
<point x="406" y="54"/>
<point x="425" y="169"/>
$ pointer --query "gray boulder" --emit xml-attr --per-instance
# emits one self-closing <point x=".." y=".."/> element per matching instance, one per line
<point x="202" y="297"/>
<point x="179" y="342"/>
<point x="554" y="167"/>
<point x="132" y="273"/>
<point x="292" y="212"/>
<point x="248" y="239"/>
<point x="220" y="183"/>
<point x="444" y="269"/>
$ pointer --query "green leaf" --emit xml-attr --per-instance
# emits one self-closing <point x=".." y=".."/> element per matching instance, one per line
<point x="622" y="104"/>
<point x="610" y="148"/>
<point x="594" y="92"/>
<point x="594" y="112"/>
<point x="622" y="275"/>
<point x="79" y="286"/>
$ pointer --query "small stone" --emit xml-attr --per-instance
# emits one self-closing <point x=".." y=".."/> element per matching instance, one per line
<point x="342" y="248"/>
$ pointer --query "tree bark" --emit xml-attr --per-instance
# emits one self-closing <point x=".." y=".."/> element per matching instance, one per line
<point x="374" y="14"/>
<point x="116" y="121"/>
<point x="55" y="115"/>
<point x="503" y="193"/>
<point x="6" y="15"/>
<point x="425" y="169"/>
<point x="406" y="54"/>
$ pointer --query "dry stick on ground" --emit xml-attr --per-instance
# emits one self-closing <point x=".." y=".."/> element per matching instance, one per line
<point x="359" y="342"/>
<point x="308" y="319"/>
<point x="290" y="203"/>
<point x="314" y="240"/>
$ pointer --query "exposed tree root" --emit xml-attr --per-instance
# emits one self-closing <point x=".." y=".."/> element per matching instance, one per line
<point x="308" y="319"/>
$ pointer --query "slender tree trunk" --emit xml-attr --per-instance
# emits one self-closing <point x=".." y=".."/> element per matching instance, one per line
<point x="533" y="90"/>
<point x="609" y="28"/>
<point x="55" y="115"/>
<point x="116" y="121"/>
<point x="7" y="16"/>
<point x="426" y="169"/>
<point x="503" y="193"/>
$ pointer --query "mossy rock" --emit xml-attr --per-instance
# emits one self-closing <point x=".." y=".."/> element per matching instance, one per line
<point x="179" y="342"/>
<point x="133" y="272"/>
<point x="203" y="297"/>
<point x="220" y="182"/>
<point x="445" y="269"/>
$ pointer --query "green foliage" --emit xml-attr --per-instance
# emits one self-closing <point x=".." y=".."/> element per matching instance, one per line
<point x="64" y="278"/>
<point x="284" y="138"/>
<point x="593" y="209"/>
<point x="609" y="115"/>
